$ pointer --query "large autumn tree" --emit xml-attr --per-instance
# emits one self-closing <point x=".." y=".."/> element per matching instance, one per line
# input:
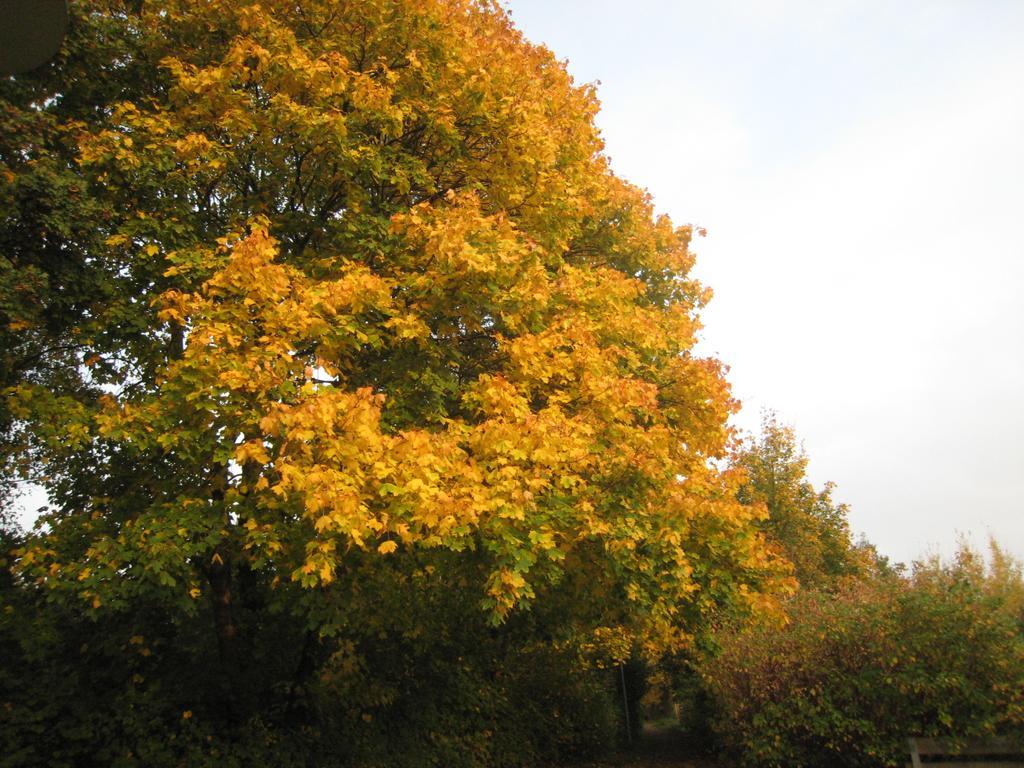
<point x="308" y="305"/>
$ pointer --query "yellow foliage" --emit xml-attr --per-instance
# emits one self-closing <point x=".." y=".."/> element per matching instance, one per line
<point x="423" y="310"/>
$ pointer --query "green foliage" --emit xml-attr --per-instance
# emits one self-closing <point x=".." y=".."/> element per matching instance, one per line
<point x="810" y="528"/>
<point x="424" y="681"/>
<point x="856" y="672"/>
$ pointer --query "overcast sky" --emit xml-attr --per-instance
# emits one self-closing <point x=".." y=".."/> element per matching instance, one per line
<point x="859" y="167"/>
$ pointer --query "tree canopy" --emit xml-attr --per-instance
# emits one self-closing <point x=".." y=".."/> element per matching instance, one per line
<point x="307" y="307"/>
<point x="809" y="527"/>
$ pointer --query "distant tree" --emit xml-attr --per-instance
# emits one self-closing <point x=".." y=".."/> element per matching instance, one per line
<point x="810" y="528"/>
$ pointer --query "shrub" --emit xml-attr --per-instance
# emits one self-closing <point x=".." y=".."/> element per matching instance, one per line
<point x="854" y="673"/>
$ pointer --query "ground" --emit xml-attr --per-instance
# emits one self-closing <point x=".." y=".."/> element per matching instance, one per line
<point x="661" y="747"/>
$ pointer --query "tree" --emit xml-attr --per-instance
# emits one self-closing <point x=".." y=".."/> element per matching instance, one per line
<point x="338" y="294"/>
<point x="810" y="528"/>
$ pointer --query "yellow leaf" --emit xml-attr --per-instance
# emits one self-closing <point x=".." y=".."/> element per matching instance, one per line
<point x="387" y="547"/>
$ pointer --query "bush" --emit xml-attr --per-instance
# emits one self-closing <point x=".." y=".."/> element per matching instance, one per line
<point x="854" y="673"/>
<point x="433" y="685"/>
<point x="488" y="709"/>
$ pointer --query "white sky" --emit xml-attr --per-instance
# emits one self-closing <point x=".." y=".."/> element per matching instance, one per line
<point x="859" y="166"/>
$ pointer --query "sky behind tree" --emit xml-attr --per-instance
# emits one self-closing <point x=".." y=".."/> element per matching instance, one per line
<point x="860" y="171"/>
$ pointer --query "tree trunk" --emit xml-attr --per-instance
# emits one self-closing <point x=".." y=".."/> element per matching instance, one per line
<point x="221" y="579"/>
